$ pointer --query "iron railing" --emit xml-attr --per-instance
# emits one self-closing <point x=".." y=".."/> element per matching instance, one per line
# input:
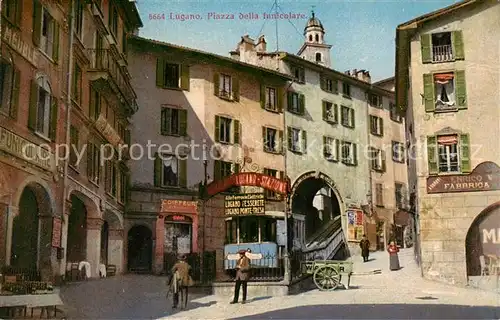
<point x="203" y="271"/>
<point x="22" y="274"/>
<point x="442" y="53"/>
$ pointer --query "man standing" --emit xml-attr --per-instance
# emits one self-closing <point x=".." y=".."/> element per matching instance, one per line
<point x="365" y="248"/>
<point x="181" y="281"/>
<point x="242" y="276"/>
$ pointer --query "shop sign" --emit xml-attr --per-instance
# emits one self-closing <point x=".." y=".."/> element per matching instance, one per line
<point x="485" y="177"/>
<point x="56" y="232"/>
<point x="177" y="218"/>
<point x="107" y="131"/>
<point x="26" y="150"/>
<point x="245" y="204"/>
<point x="179" y="206"/>
<point x="13" y="39"/>
<point x="251" y="179"/>
<point x="355" y="226"/>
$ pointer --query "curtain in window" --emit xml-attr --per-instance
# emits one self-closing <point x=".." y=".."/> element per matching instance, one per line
<point x="295" y="137"/>
<point x="445" y="91"/>
<point x="170" y="171"/>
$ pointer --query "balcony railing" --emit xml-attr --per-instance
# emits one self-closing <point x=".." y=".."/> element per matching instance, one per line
<point x="103" y="60"/>
<point x="442" y="53"/>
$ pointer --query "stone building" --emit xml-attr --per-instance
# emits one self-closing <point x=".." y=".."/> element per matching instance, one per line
<point x="335" y="121"/>
<point x="205" y="116"/>
<point x="447" y="81"/>
<point x="54" y="212"/>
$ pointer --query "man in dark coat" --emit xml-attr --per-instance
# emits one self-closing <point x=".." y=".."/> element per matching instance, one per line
<point x="365" y="248"/>
<point x="242" y="276"/>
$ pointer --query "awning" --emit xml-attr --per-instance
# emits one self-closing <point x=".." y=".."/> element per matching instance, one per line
<point x="450" y="139"/>
<point x="443" y="78"/>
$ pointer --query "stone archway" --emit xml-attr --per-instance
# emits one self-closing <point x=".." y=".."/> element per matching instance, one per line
<point x="30" y="246"/>
<point x="139" y="249"/>
<point x="112" y="240"/>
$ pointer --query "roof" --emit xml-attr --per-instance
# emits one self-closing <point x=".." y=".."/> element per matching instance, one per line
<point x="383" y="81"/>
<point x="211" y="56"/>
<point x="404" y="32"/>
<point x="132" y="13"/>
<point x="337" y="74"/>
<point x="313" y="22"/>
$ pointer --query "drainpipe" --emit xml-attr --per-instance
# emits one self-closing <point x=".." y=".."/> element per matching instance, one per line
<point x="370" y="173"/>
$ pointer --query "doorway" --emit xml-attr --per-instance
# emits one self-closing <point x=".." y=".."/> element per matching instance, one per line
<point x="140" y="249"/>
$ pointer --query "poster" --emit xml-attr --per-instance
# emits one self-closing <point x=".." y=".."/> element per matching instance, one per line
<point x="355" y="228"/>
<point x="56" y="232"/>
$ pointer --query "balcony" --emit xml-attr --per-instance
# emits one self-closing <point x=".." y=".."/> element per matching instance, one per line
<point x="442" y="53"/>
<point x="106" y="73"/>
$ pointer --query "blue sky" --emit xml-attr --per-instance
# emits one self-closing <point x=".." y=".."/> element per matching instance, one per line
<point x="362" y="33"/>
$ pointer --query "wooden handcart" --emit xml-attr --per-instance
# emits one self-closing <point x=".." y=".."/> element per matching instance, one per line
<point x="329" y="274"/>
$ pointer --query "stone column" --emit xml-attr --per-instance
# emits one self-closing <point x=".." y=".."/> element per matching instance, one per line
<point x="94" y="226"/>
<point x="115" y="249"/>
<point x="159" y="249"/>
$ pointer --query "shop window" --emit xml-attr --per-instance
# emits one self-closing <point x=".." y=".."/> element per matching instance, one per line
<point x="178" y="238"/>
<point x="249" y="229"/>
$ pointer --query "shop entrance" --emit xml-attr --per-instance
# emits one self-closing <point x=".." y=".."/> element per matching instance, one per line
<point x="178" y="235"/>
<point x="140" y="249"/>
<point x="24" y="253"/>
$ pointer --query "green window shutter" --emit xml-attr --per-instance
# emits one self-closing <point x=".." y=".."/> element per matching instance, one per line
<point x="325" y="146"/>
<point x="289" y="137"/>
<point x="55" y="44"/>
<point x="324" y="109"/>
<point x="355" y="154"/>
<point x="322" y="82"/>
<point x="185" y="77"/>
<point x="237" y="168"/>
<point x="237" y="132"/>
<point x="430" y="104"/>
<point x="335" y="86"/>
<point x="183" y="122"/>
<point x="336" y="113"/>
<point x="92" y="104"/>
<point x="14" y="101"/>
<point x="432" y="160"/>
<point x="457" y="42"/>
<point x="217" y="129"/>
<point x="90" y="158"/>
<point x="217" y="170"/>
<point x="236" y="88"/>
<point x="304" y="141"/>
<point x="280" y="142"/>
<point x="384" y="168"/>
<point x="461" y="89"/>
<point x="264" y="140"/>
<point x="158" y="173"/>
<point x="53" y="118"/>
<point x="280" y="93"/>
<point x="37" y="22"/>
<point x="289" y="100"/>
<point x="465" y="153"/>
<point x="19" y="12"/>
<point x="263" y="96"/>
<point x="302" y="104"/>
<point x="216" y="83"/>
<point x="281" y="175"/>
<point x="33" y="108"/>
<point x="183" y="173"/>
<point x="381" y="126"/>
<point x="160" y="72"/>
<point x="163" y="121"/>
<point x="127" y="137"/>
<point x="353" y="122"/>
<point x="426" y="46"/>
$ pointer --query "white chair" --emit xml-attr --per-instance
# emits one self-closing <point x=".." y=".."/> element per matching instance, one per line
<point x="102" y="270"/>
<point x="86" y="266"/>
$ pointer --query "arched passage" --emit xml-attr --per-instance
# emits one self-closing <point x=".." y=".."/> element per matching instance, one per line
<point x="112" y="240"/>
<point x="139" y="249"/>
<point x="77" y="231"/>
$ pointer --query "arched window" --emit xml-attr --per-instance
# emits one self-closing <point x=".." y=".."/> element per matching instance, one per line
<point x="317" y="38"/>
<point x="6" y="80"/>
<point x="310" y="38"/>
<point x="43" y="112"/>
<point x="318" y="56"/>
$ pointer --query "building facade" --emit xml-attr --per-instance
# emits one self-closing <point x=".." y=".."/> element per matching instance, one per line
<point x="451" y="110"/>
<point x="207" y="117"/>
<point x="332" y="127"/>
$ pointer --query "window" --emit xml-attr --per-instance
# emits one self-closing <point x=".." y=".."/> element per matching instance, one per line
<point x="225" y="89"/>
<point x="270" y="195"/>
<point x="45" y="31"/>
<point x="251" y="229"/>
<point x="12" y="11"/>
<point x="346" y="90"/>
<point x="47" y="39"/>
<point x="445" y="91"/>
<point x="376" y="126"/>
<point x="442" y="47"/>
<point x="122" y="186"/>
<point x="298" y="74"/>
<point x="224" y="169"/>
<point x="271" y="100"/>
<point x="74" y="146"/>
<point x="173" y="121"/>
<point x="379" y="195"/>
<point x="93" y="163"/>
<point x="398" y="152"/>
<point x="272" y="139"/>
<point x="349" y="153"/>
<point x="43" y="109"/>
<point x="9" y="86"/>
<point x="331" y="148"/>
<point x="297" y="140"/>
<point x="330" y="112"/>
<point x="375" y="101"/>
<point x="227" y="130"/>
<point x="170" y="171"/>
<point x="113" y="20"/>
<point x="296" y="103"/>
<point x="318" y="54"/>
<point x="395" y="113"/>
<point x="377" y="159"/>
<point x="95" y="104"/>
<point x="172" y="75"/>
<point x="399" y="195"/>
<point x="347" y="117"/>
<point x="79" y="9"/>
<point x="328" y="84"/>
<point x="111" y="177"/>
<point x="448" y="153"/>
<point x="77" y="85"/>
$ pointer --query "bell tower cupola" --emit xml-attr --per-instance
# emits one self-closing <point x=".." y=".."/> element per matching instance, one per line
<point x="314" y="48"/>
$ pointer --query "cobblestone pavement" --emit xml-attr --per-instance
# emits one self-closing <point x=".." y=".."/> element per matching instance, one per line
<point x="388" y="295"/>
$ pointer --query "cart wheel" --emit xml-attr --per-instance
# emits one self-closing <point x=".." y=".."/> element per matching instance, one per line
<point x="326" y="278"/>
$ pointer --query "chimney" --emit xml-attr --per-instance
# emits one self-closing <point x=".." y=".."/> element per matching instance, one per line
<point x="367" y="77"/>
<point x="246" y="44"/>
<point x="261" y="44"/>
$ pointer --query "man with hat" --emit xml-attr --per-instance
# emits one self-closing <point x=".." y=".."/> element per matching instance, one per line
<point x="242" y="276"/>
<point x="181" y="281"/>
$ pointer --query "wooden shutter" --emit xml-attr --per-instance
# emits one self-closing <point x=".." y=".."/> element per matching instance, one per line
<point x="280" y="97"/>
<point x="160" y="72"/>
<point x="336" y="113"/>
<point x="381" y="123"/>
<point x="54" y="108"/>
<point x="457" y="43"/>
<point x="90" y="161"/>
<point x="304" y="141"/>
<point x="322" y="83"/>
<point x="158" y="170"/>
<point x="217" y="170"/>
<point x="163" y="121"/>
<point x="183" y="122"/>
<point x="465" y="153"/>
<point x="55" y="44"/>
<point x="183" y="173"/>
<point x="237" y="168"/>
<point x="236" y="131"/>
<point x="289" y="137"/>
<point x="355" y="154"/>
<point x="382" y="156"/>
<point x="37" y="22"/>
<point x="216" y="83"/>
<point x="461" y="89"/>
<point x="337" y="149"/>
<point x="185" y="77"/>
<point x="263" y="96"/>
<point x="217" y="129"/>
<point x="264" y="139"/>
<point x="430" y="104"/>
<point x="280" y="142"/>
<point x="289" y="100"/>
<point x="33" y="108"/>
<point x="325" y="146"/>
<point x="302" y="104"/>
<point x="432" y="160"/>
<point x="236" y="88"/>
<point x="14" y="99"/>
<point x="324" y="110"/>
<point x="426" y="47"/>
<point x="108" y="167"/>
<point x="353" y="119"/>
